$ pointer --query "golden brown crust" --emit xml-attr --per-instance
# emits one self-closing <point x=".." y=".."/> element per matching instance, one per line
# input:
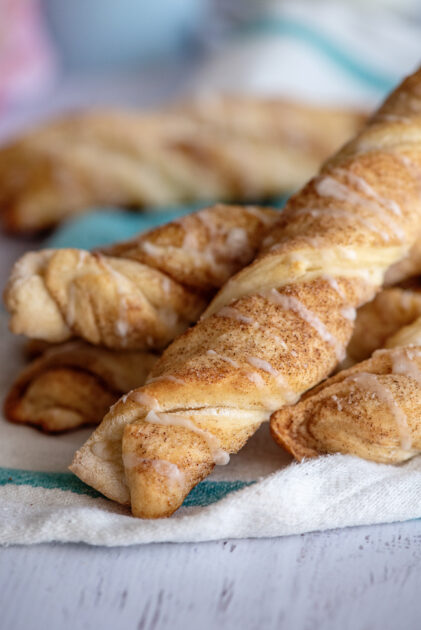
<point x="139" y="294"/>
<point x="73" y="385"/>
<point x="326" y="257"/>
<point x="229" y="148"/>
<point x="371" y="410"/>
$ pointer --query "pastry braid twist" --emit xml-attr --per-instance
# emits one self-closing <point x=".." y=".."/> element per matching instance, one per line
<point x="139" y="294"/>
<point x="74" y="384"/>
<point x="275" y="329"/>
<point x="231" y="149"/>
<point x="372" y="410"/>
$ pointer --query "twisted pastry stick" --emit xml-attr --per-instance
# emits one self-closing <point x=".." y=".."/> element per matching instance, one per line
<point x="139" y="294"/>
<point x="390" y="310"/>
<point x="73" y="385"/>
<point x="275" y="329"/>
<point x="232" y="149"/>
<point x="372" y="410"/>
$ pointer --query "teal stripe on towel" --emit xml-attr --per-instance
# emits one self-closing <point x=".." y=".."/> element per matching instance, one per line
<point x="203" y="494"/>
<point x="333" y="50"/>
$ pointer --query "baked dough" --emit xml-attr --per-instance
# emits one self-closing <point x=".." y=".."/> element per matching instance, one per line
<point x="73" y="385"/>
<point x="277" y="328"/>
<point x="381" y="318"/>
<point x="371" y="410"/>
<point x="238" y="149"/>
<point x="139" y="294"/>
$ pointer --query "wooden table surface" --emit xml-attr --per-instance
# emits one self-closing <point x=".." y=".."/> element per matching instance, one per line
<point x="365" y="578"/>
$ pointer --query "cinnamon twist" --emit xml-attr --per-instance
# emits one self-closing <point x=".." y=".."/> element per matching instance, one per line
<point x="371" y="410"/>
<point x="230" y="148"/>
<point x="73" y="385"/>
<point x="139" y="294"/>
<point x="277" y="328"/>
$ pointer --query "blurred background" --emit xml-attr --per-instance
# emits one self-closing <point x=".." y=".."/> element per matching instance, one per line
<point x="62" y="54"/>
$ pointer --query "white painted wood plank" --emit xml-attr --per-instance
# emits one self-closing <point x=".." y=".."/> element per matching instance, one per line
<point x="363" y="578"/>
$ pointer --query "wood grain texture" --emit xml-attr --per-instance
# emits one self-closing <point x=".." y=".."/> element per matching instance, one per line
<point x="361" y="578"/>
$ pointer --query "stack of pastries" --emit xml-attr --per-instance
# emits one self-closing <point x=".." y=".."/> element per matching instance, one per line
<point x="251" y="311"/>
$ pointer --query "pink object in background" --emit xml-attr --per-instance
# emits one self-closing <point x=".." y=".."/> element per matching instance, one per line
<point x="27" y="61"/>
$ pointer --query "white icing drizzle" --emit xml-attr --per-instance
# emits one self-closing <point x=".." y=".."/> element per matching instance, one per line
<point x="267" y="367"/>
<point x="150" y="248"/>
<point x="237" y="238"/>
<point x="261" y="364"/>
<point x="219" y="456"/>
<point x="206" y="219"/>
<point x="333" y="283"/>
<point x="289" y="302"/>
<point x="260" y="214"/>
<point x="337" y="402"/>
<point x="393" y="118"/>
<point x="166" y="284"/>
<point x="345" y="214"/>
<point x="365" y="187"/>
<point x="315" y="241"/>
<point x="166" y="377"/>
<point x="328" y="186"/>
<point x="163" y="467"/>
<point x="349" y="313"/>
<point x="123" y="399"/>
<point x="371" y="383"/>
<point x="121" y="325"/>
<point x="82" y="258"/>
<point x="144" y="399"/>
<point x="207" y="253"/>
<point x="190" y="240"/>
<point x="407" y="163"/>
<point x="252" y="376"/>
<point x="281" y="343"/>
<point x="412" y="168"/>
<point x="403" y="362"/>
<point x="137" y="397"/>
<point x="221" y="269"/>
<point x="255" y="377"/>
<point x="234" y="364"/>
<point x="233" y="313"/>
